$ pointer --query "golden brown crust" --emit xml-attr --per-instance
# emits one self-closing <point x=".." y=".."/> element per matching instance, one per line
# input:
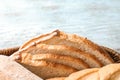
<point x="64" y="50"/>
<point x="46" y="69"/>
<point x="58" y="37"/>
<point x="38" y="39"/>
<point x="107" y="72"/>
<point x="47" y="46"/>
<point x="98" y="48"/>
<point x="57" y="78"/>
<point x="61" y="59"/>
<point x="115" y="76"/>
<point x="90" y="76"/>
<point x="80" y="74"/>
<point x="88" y="46"/>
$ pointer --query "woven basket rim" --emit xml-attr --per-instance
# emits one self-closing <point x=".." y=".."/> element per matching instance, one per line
<point x="113" y="53"/>
<point x="8" y="51"/>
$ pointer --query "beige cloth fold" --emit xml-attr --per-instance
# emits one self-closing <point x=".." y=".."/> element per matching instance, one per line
<point x="11" y="70"/>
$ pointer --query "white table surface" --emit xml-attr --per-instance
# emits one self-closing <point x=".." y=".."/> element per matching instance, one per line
<point x="98" y="20"/>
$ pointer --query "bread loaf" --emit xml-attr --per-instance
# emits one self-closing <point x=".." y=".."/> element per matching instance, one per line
<point x="81" y="75"/>
<point x="44" y="69"/>
<point x="60" y="38"/>
<point x="58" y="54"/>
<point x="65" y="50"/>
<point x="109" y="72"/>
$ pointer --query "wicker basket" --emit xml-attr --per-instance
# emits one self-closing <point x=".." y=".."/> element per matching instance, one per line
<point x="8" y="51"/>
<point x="115" y="55"/>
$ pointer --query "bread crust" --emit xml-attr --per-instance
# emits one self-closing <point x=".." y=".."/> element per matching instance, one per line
<point x="110" y="71"/>
<point x="61" y="59"/>
<point x="61" y="38"/>
<point x="46" y="69"/>
<point x="47" y="47"/>
<point x="64" y="50"/>
<point x="57" y="78"/>
<point x="80" y="74"/>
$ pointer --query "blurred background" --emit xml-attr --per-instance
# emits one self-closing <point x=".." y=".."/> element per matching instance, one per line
<point x="98" y="20"/>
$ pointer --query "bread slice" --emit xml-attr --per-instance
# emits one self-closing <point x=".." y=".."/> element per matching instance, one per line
<point x="61" y="59"/>
<point x="60" y="38"/>
<point x="43" y="68"/>
<point x="57" y="78"/>
<point x="64" y="50"/>
<point x="81" y="75"/>
<point x="110" y="72"/>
